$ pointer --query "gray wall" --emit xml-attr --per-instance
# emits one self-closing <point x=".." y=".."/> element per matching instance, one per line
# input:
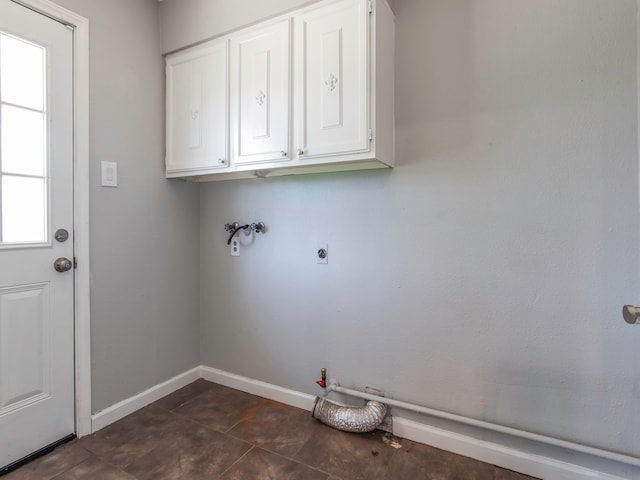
<point x="485" y="274"/>
<point x="183" y="24"/>
<point x="144" y="234"/>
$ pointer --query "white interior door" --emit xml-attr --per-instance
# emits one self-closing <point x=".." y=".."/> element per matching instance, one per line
<point x="36" y="200"/>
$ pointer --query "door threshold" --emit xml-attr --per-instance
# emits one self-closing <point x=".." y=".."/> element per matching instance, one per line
<point x="39" y="453"/>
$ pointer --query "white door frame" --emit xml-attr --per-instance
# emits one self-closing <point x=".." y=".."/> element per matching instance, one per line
<point x="81" y="185"/>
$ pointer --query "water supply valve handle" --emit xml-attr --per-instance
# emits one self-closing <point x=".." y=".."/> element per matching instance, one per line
<point x="258" y="227"/>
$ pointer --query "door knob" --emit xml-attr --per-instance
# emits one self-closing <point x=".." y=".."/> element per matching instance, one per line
<point x="62" y="264"/>
<point x="631" y="314"/>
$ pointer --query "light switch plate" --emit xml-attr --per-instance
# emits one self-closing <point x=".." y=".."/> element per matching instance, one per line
<point x="109" y="175"/>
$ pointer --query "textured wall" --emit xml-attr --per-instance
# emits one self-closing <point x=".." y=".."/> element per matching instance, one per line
<point x="486" y="273"/>
<point x="144" y="234"/>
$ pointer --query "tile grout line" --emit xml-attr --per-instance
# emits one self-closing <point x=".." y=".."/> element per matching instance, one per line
<point x="262" y="403"/>
<point x="279" y="454"/>
<point x="310" y="467"/>
<point x="107" y="461"/>
<point x="182" y="404"/>
<point x="287" y="457"/>
<point x="64" y="471"/>
<point x="241" y="457"/>
<point x="188" y="418"/>
<point x="71" y="468"/>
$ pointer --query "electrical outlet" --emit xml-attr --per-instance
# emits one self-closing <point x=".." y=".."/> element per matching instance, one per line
<point x="322" y="253"/>
<point x="235" y="247"/>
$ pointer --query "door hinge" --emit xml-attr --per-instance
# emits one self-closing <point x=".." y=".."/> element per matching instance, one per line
<point x="75" y="263"/>
<point x="371" y="134"/>
<point x="370" y="7"/>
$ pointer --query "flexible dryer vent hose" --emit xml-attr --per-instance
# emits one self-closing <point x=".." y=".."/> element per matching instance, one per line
<point x="349" y="419"/>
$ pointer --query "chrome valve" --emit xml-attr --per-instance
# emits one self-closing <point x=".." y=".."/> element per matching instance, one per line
<point x="231" y="226"/>
<point x="258" y="227"/>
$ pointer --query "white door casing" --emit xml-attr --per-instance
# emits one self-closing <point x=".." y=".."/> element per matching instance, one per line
<point x="37" y="382"/>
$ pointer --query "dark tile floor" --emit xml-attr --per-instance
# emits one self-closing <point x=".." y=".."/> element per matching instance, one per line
<point x="208" y="431"/>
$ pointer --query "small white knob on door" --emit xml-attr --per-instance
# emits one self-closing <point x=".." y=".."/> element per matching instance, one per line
<point x="221" y="161"/>
<point x="631" y="314"/>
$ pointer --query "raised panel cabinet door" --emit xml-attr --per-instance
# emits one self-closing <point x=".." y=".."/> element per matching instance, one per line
<point x="262" y="94"/>
<point x="197" y="109"/>
<point x="334" y="80"/>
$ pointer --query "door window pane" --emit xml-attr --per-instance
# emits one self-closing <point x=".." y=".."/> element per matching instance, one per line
<point x="22" y="73"/>
<point x="23" y="141"/>
<point x="23" y="209"/>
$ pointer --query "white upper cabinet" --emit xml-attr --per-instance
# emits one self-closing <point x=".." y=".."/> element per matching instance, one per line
<point x="197" y="110"/>
<point x="333" y="80"/>
<point x="311" y="91"/>
<point x="261" y="94"/>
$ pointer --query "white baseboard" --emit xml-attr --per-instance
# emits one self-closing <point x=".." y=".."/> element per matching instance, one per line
<point x="510" y="458"/>
<point x="547" y="467"/>
<point x="128" y="406"/>
<point x="256" y="387"/>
